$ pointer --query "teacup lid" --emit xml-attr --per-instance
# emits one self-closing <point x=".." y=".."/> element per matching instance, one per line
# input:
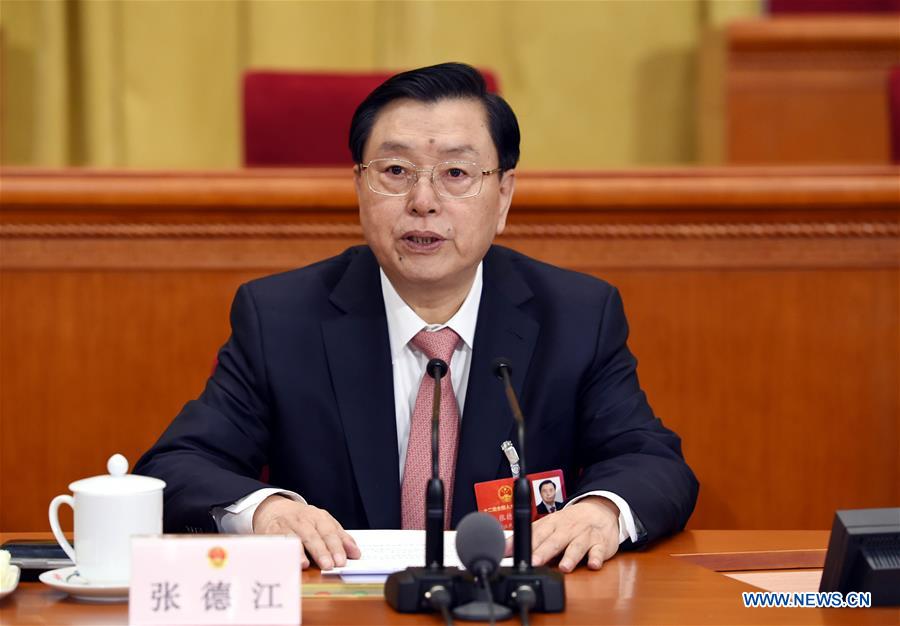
<point x="118" y="482"/>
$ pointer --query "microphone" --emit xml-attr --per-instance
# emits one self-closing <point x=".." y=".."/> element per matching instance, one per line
<point x="433" y="587"/>
<point x="434" y="493"/>
<point x="480" y="545"/>
<point x="523" y="586"/>
<point x="521" y="491"/>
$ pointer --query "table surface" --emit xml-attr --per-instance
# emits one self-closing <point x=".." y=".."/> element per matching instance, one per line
<point x="673" y="582"/>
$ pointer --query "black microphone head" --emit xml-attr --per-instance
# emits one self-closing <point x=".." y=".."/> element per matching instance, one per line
<point x="436" y="367"/>
<point x="480" y="543"/>
<point x="500" y="364"/>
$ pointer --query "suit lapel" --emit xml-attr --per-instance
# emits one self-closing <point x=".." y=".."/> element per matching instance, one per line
<point x="503" y="329"/>
<point x="359" y="360"/>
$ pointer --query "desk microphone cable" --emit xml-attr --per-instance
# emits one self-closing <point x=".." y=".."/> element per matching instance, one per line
<point x="439" y="598"/>
<point x="525" y="599"/>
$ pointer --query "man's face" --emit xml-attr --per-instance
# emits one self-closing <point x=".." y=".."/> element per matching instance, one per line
<point x="548" y="493"/>
<point x="423" y="240"/>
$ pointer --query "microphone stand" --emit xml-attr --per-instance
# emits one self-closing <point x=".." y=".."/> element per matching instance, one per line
<point x="480" y="545"/>
<point x="433" y="587"/>
<point x="523" y="586"/>
<point x="436" y="588"/>
<point x="434" y="493"/>
<point x="521" y="489"/>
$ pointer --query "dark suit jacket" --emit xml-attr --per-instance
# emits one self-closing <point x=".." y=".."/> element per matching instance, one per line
<point x="542" y="508"/>
<point x="304" y="385"/>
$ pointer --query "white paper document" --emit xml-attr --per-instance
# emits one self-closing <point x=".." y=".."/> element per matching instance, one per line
<point x="388" y="551"/>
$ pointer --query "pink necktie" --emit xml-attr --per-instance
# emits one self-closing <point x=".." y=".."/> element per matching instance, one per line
<point x="417" y="469"/>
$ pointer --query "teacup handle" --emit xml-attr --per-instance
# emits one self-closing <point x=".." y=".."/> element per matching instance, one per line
<point x="54" y="523"/>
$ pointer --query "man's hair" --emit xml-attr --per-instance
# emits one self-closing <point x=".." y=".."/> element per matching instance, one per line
<point x="546" y="482"/>
<point x="431" y="84"/>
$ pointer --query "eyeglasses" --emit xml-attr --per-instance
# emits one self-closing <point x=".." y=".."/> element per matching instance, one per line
<point x="451" y="179"/>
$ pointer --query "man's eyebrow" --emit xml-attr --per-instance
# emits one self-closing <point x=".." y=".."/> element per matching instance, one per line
<point x="463" y="149"/>
<point x="397" y="146"/>
<point x="393" y="145"/>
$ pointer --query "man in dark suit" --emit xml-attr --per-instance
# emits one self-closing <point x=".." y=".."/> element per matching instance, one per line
<point x="322" y="378"/>
<point x="549" y="502"/>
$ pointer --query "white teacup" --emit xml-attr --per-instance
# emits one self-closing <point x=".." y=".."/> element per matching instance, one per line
<point x="109" y="509"/>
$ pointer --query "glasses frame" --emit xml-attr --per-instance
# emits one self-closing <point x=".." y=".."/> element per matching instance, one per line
<point x="415" y="170"/>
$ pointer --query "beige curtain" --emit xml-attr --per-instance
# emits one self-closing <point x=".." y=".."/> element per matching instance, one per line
<point x="155" y="83"/>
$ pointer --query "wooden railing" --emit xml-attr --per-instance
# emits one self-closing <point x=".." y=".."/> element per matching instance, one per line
<point x="810" y="89"/>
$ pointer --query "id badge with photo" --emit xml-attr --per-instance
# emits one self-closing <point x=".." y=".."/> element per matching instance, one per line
<point x="495" y="497"/>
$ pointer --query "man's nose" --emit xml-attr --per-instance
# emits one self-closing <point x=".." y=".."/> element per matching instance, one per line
<point x="422" y="198"/>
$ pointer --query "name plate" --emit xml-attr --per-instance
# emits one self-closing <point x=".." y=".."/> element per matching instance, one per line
<point x="214" y="579"/>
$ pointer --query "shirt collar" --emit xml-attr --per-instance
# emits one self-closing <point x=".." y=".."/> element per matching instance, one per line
<point x="403" y="323"/>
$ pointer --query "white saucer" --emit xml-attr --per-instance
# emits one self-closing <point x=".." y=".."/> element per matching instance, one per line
<point x="69" y="580"/>
<point x="15" y="582"/>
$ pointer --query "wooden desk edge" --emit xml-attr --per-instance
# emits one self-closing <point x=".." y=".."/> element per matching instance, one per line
<point x="755" y="561"/>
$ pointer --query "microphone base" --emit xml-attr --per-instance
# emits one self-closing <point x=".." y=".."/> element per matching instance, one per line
<point x="405" y="591"/>
<point x="480" y="611"/>
<point x="549" y="587"/>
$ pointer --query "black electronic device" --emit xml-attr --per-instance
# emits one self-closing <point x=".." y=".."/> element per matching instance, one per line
<point x="522" y="586"/>
<point x="433" y="587"/>
<point x="480" y="545"/>
<point x="35" y="556"/>
<point x="521" y="489"/>
<point x="434" y="492"/>
<point x="415" y="589"/>
<point x="486" y="591"/>
<point x="864" y="555"/>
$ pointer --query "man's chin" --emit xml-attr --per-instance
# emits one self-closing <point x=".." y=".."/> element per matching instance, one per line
<point x="426" y="279"/>
<point x="425" y="270"/>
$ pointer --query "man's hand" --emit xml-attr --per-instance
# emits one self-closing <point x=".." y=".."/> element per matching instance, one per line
<point x="321" y="536"/>
<point x="590" y="526"/>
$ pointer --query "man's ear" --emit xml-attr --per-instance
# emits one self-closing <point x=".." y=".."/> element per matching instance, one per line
<point x="507" y="187"/>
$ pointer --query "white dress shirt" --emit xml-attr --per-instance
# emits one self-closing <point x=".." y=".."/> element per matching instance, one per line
<point x="408" y="365"/>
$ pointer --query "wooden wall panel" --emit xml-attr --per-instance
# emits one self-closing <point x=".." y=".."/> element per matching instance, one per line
<point x="765" y="319"/>
<point x="780" y="384"/>
<point x="810" y="89"/>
